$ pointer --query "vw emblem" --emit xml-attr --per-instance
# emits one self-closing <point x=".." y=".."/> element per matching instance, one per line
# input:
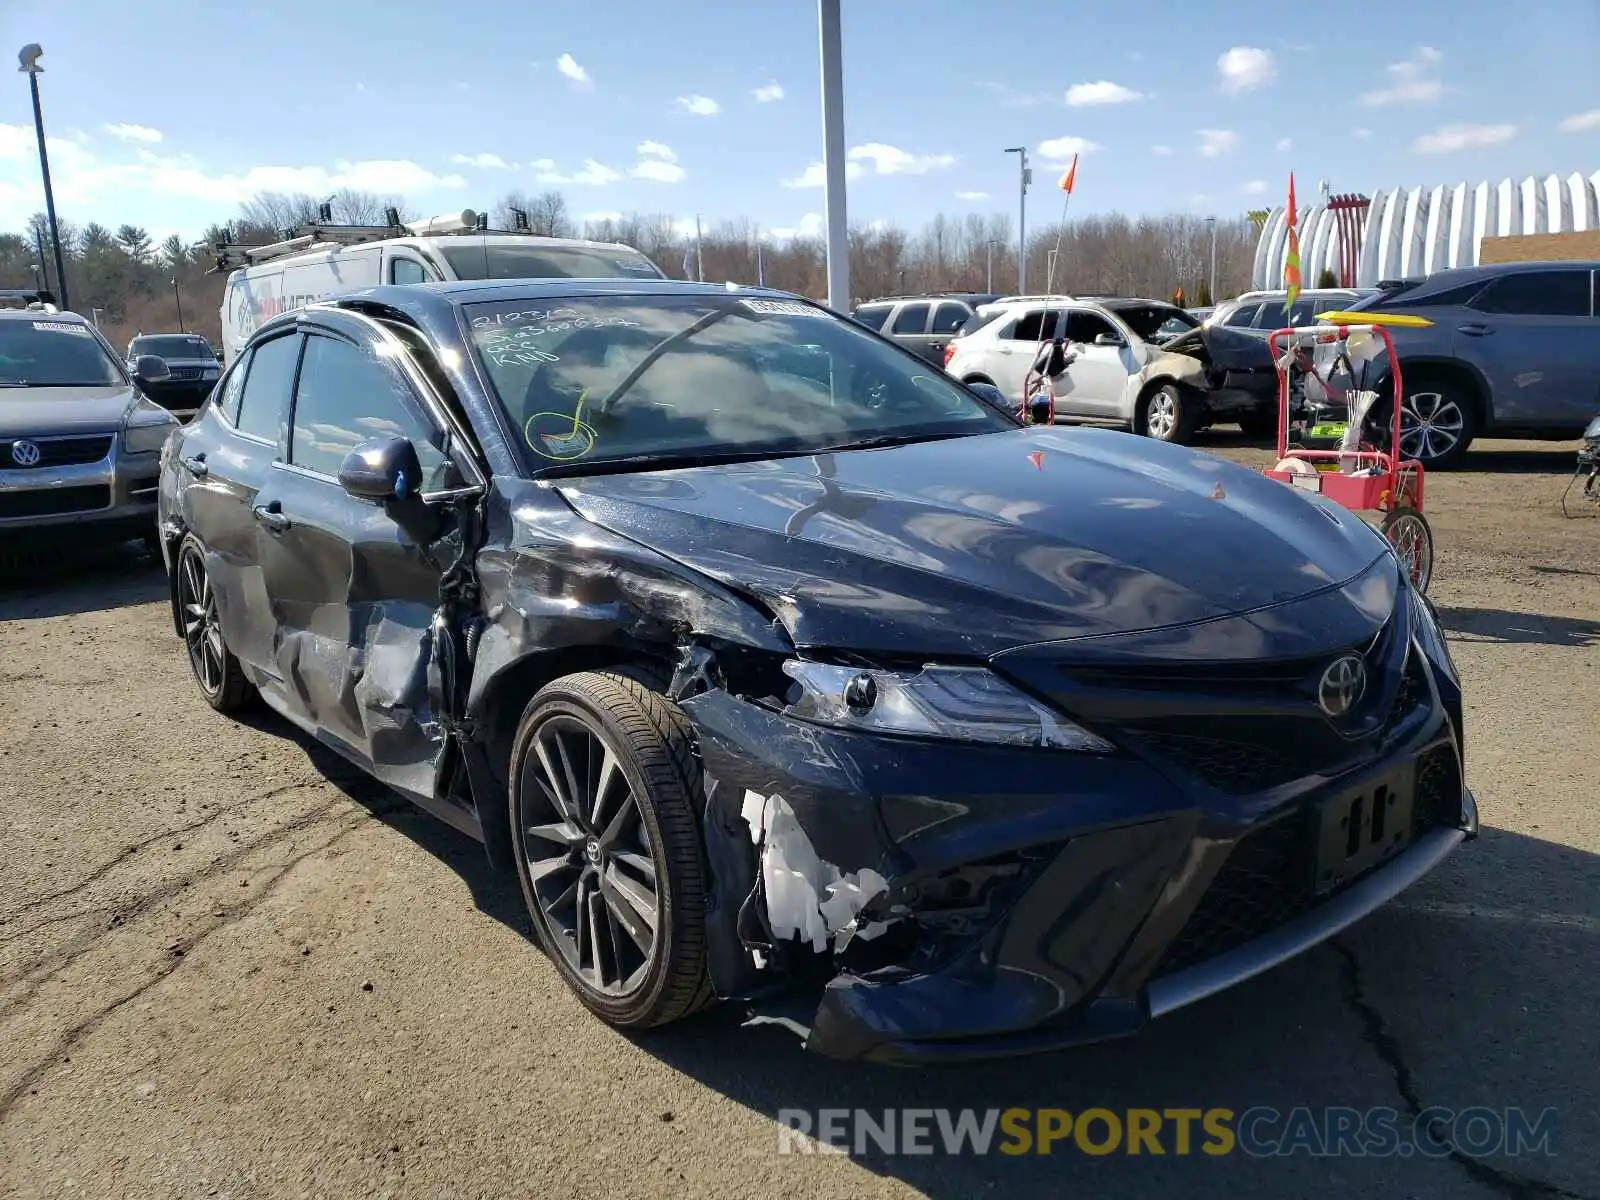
<point x="1341" y="685"/>
<point x="25" y="453"/>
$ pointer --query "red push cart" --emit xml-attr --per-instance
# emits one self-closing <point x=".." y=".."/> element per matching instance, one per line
<point x="1361" y="474"/>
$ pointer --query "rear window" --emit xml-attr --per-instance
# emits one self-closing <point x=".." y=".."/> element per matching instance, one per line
<point x="171" y="346"/>
<point x="548" y="262"/>
<point x="873" y="315"/>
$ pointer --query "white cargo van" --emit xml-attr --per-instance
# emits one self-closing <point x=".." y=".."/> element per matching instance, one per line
<point x="328" y="259"/>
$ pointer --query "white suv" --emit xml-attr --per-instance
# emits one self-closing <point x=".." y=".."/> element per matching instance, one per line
<point x="1117" y="369"/>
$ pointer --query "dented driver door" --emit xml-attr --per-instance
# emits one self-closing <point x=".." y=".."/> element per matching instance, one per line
<point x="354" y="594"/>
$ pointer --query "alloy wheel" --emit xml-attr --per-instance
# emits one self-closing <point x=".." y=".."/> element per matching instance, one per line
<point x="202" y="631"/>
<point x="1430" y="426"/>
<point x="588" y="855"/>
<point x="1161" y="416"/>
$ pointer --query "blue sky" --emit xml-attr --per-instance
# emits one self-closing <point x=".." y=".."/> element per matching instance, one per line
<point x="166" y="116"/>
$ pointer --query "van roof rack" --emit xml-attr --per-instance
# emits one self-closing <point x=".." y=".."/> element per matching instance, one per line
<point x="324" y="234"/>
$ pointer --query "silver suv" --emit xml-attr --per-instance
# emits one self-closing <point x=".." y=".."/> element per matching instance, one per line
<point x="80" y="444"/>
<point x="1513" y="351"/>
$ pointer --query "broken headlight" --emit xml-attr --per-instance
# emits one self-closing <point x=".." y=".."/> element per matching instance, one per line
<point x="966" y="704"/>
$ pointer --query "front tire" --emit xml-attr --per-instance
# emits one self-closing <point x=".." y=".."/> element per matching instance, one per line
<point x="1168" y="414"/>
<point x="604" y="786"/>
<point x="1438" y="421"/>
<point x="216" y="671"/>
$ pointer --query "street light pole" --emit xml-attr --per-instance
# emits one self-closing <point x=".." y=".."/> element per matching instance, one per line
<point x="179" y="300"/>
<point x="988" y="267"/>
<point x="833" y="155"/>
<point x="28" y="57"/>
<point x="1212" y="221"/>
<point x="1025" y="177"/>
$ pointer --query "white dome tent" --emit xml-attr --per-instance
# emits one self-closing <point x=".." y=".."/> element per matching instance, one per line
<point x="1412" y="232"/>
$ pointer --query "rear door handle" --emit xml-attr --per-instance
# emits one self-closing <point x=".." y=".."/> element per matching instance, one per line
<point x="1474" y="329"/>
<point x="196" y="464"/>
<point x="271" y="515"/>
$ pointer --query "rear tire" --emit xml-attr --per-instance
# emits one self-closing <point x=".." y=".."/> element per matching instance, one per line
<point x="1168" y="414"/>
<point x="216" y="671"/>
<point x="604" y="788"/>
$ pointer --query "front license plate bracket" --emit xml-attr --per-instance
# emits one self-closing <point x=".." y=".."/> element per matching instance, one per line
<point x="1360" y="830"/>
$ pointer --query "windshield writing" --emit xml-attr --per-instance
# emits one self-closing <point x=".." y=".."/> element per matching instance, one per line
<point x="619" y="378"/>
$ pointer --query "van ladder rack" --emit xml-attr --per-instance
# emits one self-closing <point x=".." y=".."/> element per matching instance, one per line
<point x="321" y="235"/>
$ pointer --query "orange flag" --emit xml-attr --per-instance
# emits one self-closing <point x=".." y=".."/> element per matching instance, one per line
<point x="1071" y="177"/>
<point x="1291" y="260"/>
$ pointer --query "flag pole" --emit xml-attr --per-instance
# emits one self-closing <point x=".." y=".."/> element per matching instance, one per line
<point x="699" y="260"/>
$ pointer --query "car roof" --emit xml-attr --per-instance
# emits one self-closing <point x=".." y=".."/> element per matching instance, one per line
<point x="36" y="314"/>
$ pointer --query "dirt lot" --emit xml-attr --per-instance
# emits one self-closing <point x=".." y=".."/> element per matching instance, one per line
<point x="228" y="967"/>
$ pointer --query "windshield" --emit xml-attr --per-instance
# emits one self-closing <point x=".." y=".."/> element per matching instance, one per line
<point x="171" y="346"/>
<point x="48" y="353"/>
<point x="603" y="379"/>
<point x="1155" y="322"/>
<point x="468" y="261"/>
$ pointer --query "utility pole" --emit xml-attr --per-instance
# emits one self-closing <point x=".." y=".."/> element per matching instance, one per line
<point x="833" y="158"/>
<point x="1212" y="221"/>
<point x="988" y="267"/>
<point x="179" y="299"/>
<point x="28" y="57"/>
<point x="1025" y="177"/>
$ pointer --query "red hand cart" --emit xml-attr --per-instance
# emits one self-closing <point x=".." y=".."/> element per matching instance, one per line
<point x="1365" y="478"/>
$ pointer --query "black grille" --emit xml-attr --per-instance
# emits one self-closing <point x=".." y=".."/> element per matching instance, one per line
<point x="186" y="372"/>
<point x="50" y="502"/>
<point x="1267" y="878"/>
<point x="1229" y="766"/>
<point x="57" y="452"/>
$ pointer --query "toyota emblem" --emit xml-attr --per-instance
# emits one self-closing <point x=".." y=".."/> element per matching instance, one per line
<point x="25" y="453"/>
<point x="1342" y="683"/>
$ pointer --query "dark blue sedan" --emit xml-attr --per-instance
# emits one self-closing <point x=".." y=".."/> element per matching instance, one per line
<point x="769" y="657"/>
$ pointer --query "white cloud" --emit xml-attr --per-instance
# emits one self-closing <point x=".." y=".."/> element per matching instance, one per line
<point x="700" y="106"/>
<point x="1253" y="188"/>
<point x="658" y="170"/>
<point x="1061" y="149"/>
<point x="1217" y="142"/>
<point x="1412" y="81"/>
<point x="656" y="150"/>
<point x="1010" y="97"/>
<point x="1581" y="122"/>
<point x="811" y="225"/>
<point x="1103" y="92"/>
<point x="891" y="160"/>
<point x="597" y="217"/>
<point x="768" y="93"/>
<point x="1285" y="143"/>
<point x="543" y="164"/>
<point x="591" y="173"/>
<point x="1245" y="67"/>
<point x="134" y="133"/>
<point x="1449" y="138"/>
<point x="569" y="67"/>
<point x="487" y="162"/>
<point x="1363" y="134"/>
<point x="972" y="195"/>
<point x="1161" y="150"/>
<point x="816" y="176"/>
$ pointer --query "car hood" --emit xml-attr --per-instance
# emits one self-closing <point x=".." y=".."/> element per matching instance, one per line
<point x="970" y="546"/>
<point x="1228" y="349"/>
<point x="45" y="411"/>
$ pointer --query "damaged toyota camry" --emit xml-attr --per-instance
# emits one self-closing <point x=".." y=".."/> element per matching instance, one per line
<point x="775" y="664"/>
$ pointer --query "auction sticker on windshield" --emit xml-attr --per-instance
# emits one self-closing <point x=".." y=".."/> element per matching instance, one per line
<point x="784" y="308"/>
<point x="61" y="327"/>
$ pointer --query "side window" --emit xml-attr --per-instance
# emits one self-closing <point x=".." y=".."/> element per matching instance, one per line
<point x="345" y="397"/>
<point x="406" y="270"/>
<point x="1450" y="298"/>
<point x="949" y="317"/>
<point x="264" y="407"/>
<point x="913" y="318"/>
<point x="1084" y="327"/>
<point x="873" y="315"/>
<point x="1030" y="327"/>
<point x="228" y="394"/>
<point x="1242" y="317"/>
<point x="1539" y="294"/>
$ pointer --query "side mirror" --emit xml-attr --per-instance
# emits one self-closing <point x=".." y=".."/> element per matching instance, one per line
<point x="148" y="368"/>
<point x="382" y="469"/>
<point x="1039" y="411"/>
<point x="1108" y="339"/>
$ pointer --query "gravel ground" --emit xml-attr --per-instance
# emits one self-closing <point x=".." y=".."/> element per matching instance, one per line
<point x="231" y="967"/>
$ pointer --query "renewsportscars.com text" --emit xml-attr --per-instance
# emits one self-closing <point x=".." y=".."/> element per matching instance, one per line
<point x="1260" y="1132"/>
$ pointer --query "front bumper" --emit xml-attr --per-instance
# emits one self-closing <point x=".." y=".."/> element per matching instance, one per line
<point x="113" y="498"/>
<point x="1025" y="911"/>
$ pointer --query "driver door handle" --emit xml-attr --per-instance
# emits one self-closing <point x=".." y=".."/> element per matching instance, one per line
<point x="1475" y="329"/>
<point x="271" y="515"/>
<point x="196" y="464"/>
